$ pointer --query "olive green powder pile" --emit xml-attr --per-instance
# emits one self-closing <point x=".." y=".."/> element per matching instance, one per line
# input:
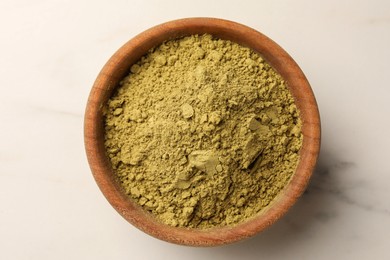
<point x="202" y="133"/>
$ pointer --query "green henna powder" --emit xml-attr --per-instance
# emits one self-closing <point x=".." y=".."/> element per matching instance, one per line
<point x="202" y="133"/>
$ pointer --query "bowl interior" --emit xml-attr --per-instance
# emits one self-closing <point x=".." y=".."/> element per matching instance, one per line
<point x="118" y="67"/>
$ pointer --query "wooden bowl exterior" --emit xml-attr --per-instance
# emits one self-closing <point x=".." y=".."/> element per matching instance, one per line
<point x="118" y="66"/>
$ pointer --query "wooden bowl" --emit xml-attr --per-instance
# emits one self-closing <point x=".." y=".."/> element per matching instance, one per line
<point x="118" y="67"/>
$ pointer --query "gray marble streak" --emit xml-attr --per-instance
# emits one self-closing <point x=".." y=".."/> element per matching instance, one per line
<point x="325" y="180"/>
<point x="55" y="111"/>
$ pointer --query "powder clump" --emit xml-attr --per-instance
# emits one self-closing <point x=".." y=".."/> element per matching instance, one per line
<point x="202" y="132"/>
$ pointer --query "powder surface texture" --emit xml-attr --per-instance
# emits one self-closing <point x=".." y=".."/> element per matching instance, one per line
<point x="202" y="133"/>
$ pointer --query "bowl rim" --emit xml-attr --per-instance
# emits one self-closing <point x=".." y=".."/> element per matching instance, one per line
<point x="118" y="66"/>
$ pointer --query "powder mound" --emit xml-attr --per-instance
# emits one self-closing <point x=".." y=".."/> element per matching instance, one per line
<point x="202" y="132"/>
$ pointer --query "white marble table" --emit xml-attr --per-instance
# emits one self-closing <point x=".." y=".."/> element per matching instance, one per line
<point x="51" y="52"/>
